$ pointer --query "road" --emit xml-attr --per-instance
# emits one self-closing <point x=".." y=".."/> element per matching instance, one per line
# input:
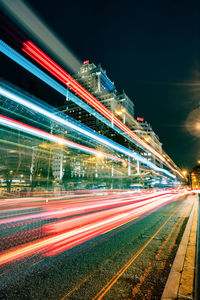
<point x="90" y="245"/>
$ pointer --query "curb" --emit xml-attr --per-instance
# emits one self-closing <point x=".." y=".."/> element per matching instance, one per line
<point x="181" y="277"/>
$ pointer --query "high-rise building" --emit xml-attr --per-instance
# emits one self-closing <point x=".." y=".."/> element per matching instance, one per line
<point x="126" y="102"/>
<point x="145" y="131"/>
<point x="95" y="80"/>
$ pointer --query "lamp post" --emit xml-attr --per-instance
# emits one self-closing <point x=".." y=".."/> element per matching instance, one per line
<point x="184" y="172"/>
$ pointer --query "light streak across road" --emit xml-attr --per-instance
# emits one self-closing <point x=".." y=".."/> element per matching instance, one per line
<point x="29" y="66"/>
<point x="34" y="25"/>
<point x="10" y="123"/>
<point x="18" y="58"/>
<point x="42" y="134"/>
<point x="95" y="215"/>
<point x="39" y="56"/>
<point x="24" y="100"/>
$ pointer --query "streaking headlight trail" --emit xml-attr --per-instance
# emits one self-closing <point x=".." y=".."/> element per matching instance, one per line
<point x="22" y="99"/>
<point x="74" y="222"/>
<point x="11" y="53"/>
<point x="32" y="24"/>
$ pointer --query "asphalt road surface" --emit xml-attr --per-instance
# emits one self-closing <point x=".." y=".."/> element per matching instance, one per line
<point x="129" y="261"/>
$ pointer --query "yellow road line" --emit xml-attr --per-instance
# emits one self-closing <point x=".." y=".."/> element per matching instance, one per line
<point x="76" y="287"/>
<point x="112" y="281"/>
<point x="163" y="263"/>
<point x="147" y="270"/>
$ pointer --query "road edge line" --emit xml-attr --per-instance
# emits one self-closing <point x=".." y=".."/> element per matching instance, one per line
<point x="180" y="269"/>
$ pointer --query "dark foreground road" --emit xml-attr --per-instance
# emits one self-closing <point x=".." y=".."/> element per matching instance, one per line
<point x="129" y="262"/>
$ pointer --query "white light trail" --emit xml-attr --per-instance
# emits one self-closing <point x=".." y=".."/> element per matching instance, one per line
<point x="21" y="100"/>
<point x="32" y="24"/>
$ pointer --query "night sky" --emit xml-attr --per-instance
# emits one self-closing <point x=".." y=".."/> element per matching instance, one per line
<point x="150" y="49"/>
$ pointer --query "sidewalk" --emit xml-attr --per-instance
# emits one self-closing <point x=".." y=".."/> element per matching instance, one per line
<point x="181" y="278"/>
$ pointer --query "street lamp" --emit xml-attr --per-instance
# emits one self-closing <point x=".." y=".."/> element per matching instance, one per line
<point x="184" y="173"/>
<point x="99" y="154"/>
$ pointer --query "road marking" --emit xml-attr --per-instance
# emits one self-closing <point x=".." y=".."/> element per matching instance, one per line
<point x="163" y="263"/>
<point x="147" y="270"/>
<point x="76" y="287"/>
<point x="113" y="280"/>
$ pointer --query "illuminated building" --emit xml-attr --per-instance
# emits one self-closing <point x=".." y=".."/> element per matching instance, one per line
<point x="95" y="80"/>
<point x="195" y="177"/>
<point x="49" y="166"/>
<point x="145" y="131"/>
<point x="90" y="102"/>
<point x="79" y="91"/>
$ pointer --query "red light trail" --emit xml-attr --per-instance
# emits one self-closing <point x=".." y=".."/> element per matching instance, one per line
<point x="69" y="221"/>
<point x="39" y="56"/>
<point x="43" y="134"/>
